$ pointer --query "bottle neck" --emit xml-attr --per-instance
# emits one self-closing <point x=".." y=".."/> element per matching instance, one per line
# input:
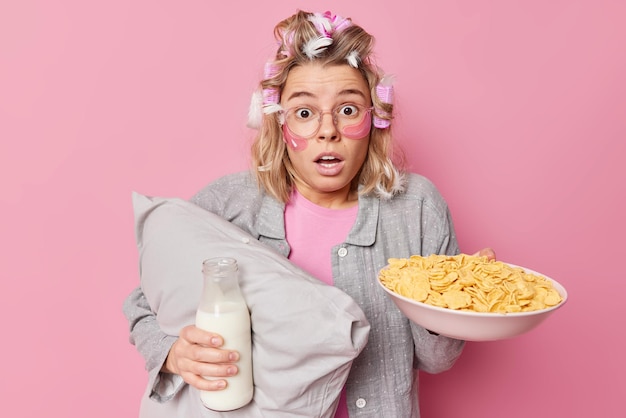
<point x="221" y="284"/>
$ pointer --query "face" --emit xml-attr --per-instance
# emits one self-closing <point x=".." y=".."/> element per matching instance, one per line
<point x="328" y="161"/>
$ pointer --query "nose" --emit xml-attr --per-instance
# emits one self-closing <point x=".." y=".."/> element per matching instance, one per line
<point x="328" y="129"/>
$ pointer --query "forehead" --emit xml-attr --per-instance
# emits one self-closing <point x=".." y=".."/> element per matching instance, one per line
<point x="324" y="82"/>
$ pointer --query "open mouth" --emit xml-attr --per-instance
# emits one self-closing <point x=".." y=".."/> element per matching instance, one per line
<point x="328" y="160"/>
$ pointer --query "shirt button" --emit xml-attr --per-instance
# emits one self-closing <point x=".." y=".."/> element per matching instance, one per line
<point x="360" y="403"/>
<point x="342" y="252"/>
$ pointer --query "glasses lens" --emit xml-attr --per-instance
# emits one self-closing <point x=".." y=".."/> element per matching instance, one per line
<point x="348" y="115"/>
<point x="305" y="121"/>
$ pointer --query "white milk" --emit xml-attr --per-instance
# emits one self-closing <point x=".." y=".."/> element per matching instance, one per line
<point x="233" y="324"/>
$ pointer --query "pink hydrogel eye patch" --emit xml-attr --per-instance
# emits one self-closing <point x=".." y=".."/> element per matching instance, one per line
<point x="294" y="142"/>
<point x="358" y="131"/>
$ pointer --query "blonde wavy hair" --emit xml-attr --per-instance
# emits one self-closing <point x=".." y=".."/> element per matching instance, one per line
<point x="380" y="173"/>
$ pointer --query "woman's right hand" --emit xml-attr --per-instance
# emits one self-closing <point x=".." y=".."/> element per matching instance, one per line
<point x="197" y="353"/>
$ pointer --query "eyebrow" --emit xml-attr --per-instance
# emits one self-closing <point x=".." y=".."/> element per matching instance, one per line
<point x="345" y="92"/>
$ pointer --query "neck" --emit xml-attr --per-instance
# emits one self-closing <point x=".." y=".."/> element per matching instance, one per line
<point x="339" y="199"/>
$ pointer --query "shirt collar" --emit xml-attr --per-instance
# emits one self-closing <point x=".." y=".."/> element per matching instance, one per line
<point x="363" y="232"/>
<point x="271" y="220"/>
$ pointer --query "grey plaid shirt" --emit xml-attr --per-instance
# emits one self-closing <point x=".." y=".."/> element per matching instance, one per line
<point x="383" y="379"/>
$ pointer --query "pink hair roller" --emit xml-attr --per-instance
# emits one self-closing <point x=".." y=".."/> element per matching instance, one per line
<point x="270" y="96"/>
<point x="384" y="91"/>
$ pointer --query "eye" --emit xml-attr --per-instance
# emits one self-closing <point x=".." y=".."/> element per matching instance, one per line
<point x="303" y="113"/>
<point x="348" y="110"/>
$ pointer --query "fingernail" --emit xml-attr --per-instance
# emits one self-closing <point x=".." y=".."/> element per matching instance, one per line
<point x="221" y="384"/>
<point x="233" y="356"/>
<point x="215" y="341"/>
<point x="231" y="371"/>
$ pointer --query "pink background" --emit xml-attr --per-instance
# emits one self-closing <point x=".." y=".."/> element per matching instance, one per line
<point x="515" y="109"/>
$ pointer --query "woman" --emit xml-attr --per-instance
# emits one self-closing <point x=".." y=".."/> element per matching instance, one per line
<point x="325" y="192"/>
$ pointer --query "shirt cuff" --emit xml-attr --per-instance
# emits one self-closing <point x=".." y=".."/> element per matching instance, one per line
<point x="165" y="386"/>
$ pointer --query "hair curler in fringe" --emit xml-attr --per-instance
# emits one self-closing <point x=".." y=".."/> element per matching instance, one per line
<point x="340" y="23"/>
<point x="287" y="42"/>
<point x="322" y="23"/>
<point x="313" y="47"/>
<point x="353" y="59"/>
<point x="327" y="24"/>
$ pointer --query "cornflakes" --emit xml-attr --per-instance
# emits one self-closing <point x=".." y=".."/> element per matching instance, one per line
<point x="469" y="283"/>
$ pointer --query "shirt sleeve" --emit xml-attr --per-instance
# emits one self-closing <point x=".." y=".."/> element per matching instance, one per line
<point x="436" y="353"/>
<point x="439" y="236"/>
<point x="153" y="345"/>
<point x="223" y="197"/>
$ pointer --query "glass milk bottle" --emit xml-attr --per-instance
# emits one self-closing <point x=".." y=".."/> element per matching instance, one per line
<point x="223" y="310"/>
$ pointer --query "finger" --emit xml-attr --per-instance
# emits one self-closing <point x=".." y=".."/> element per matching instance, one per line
<point x="212" y="372"/>
<point x="196" y="335"/>
<point x="185" y="356"/>
<point x="487" y="252"/>
<point x="201" y="383"/>
<point x="202" y="354"/>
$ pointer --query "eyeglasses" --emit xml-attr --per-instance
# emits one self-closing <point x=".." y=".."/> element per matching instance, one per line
<point x="305" y="121"/>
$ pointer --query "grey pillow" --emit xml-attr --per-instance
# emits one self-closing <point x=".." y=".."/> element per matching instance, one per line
<point x="305" y="333"/>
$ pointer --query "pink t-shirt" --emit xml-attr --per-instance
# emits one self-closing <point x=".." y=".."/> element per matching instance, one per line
<point x="311" y="232"/>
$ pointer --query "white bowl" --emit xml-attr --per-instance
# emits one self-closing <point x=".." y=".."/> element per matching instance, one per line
<point x="474" y="326"/>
